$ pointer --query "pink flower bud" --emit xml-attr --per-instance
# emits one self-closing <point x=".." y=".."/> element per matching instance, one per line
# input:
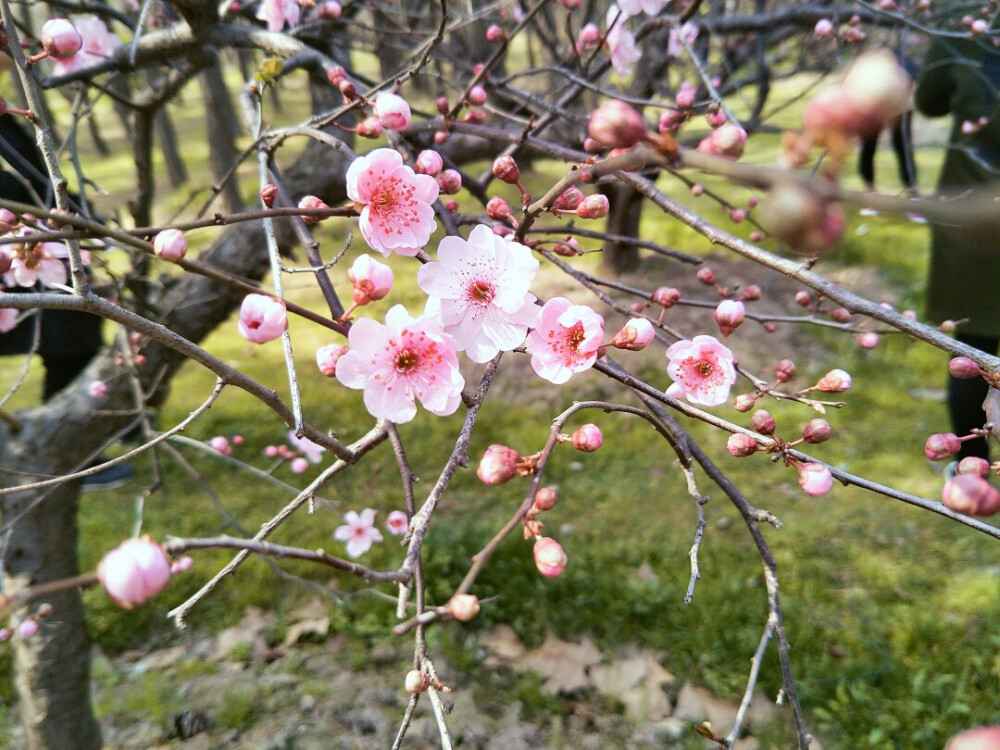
<point x="170" y="244"/>
<point x="60" y="38"/>
<point x="697" y="190"/>
<point x="27" y="629"/>
<point x="505" y="169"/>
<point x="635" y="336"/>
<point x="980" y="738"/>
<point x="785" y="371"/>
<point x="728" y="140"/>
<point x="835" y="381"/>
<point x="801" y="218"/>
<point x="741" y="444"/>
<point x="463" y="607"/>
<point x="428" y="162"/>
<point x="495" y="34"/>
<point x="763" y="422"/>
<point x="616" y="124"/>
<point x="817" y="431"/>
<point x="478" y="95"/>
<point x="588" y="38"/>
<point x="568" y="248"/>
<point x="497" y="208"/>
<point x="299" y="465"/>
<point x="979" y="26"/>
<point x="6" y="634"/>
<point x="942" y="445"/>
<point x="392" y="111"/>
<point x="667" y="296"/>
<point x="684" y="98"/>
<point x="550" y="557"/>
<point x="588" y="438"/>
<point x="545" y="498"/>
<point x="370" y="127"/>
<point x="336" y="75"/>
<point x="134" y="571"/>
<point x="594" y="207"/>
<point x="971" y="495"/>
<point x="97" y="389"/>
<point x="823" y="28"/>
<point x="670" y="121"/>
<point x="974" y="465"/>
<point x="744" y="402"/>
<point x="372" y="280"/>
<point x="397" y="523"/>
<point x="752" y="293"/>
<point x="181" y="565"/>
<point x="737" y="215"/>
<point x="262" y="318"/>
<point x="416" y="681"/>
<point x="706" y="276"/>
<point x="271" y="451"/>
<point x="868" y="340"/>
<point x="268" y="194"/>
<point x="221" y="444"/>
<point x="569" y="200"/>
<point x="815" y="479"/>
<point x="449" y="181"/>
<point x="330" y="9"/>
<point x="8" y="220"/>
<point x="841" y="315"/>
<point x="498" y="465"/>
<point x="311" y="202"/>
<point x="442" y="105"/>
<point x="963" y="368"/>
<point x="729" y="315"/>
<point x="475" y="116"/>
<point x="327" y="357"/>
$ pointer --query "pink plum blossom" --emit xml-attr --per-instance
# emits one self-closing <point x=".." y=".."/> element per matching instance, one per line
<point x="815" y="479"/>
<point x="565" y="341"/>
<point x="621" y="43"/>
<point x="134" y="571"/>
<point x="305" y="446"/>
<point x="372" y="280"/>
<point x="8" y="319"/>
<point x="635" y="336"/>
<point x="397" y="216"/>
<point x="298" y="465"/>
<point x="498" y="464"/>
<point x="279" y="12"/>
<point x="428" y="162"/>
<point x="392" y="111"/>
<point x="835" y="381"/>
<point x="478" y="290"/>
<point x="359" y="532"/>
<point x="97" y="389"/>
<point x="34" y="263"/>
<point x="702" y="370"/>
<point x="405" y="360"/>
<point x="688" y="32"/>
<point x="635" y="7"/>
<point x="327" y="358"/>
<point x="262" y="318"/>
<point x="221" y="444"/>
<point x="397" y="523"/>
<point x="550" y="557"/>
<point x="727" y="140"/>
<point x="170" y="244"/>
<point x="98" y="44"/>
<point x="60" y="38"/>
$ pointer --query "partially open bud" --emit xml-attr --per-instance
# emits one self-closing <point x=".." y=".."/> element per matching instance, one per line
<point x="392" y="111"/>
<point x="970" y="494"/>
<point x="785" y="371"/>
<point x="8" y="220"/>
<point x="134" y="571"/>
<point x="545" y="498"/>
<point x="498" y="465"/>
<point x="942" y="445"/>
<point x="728" y="140"/>
<point x="815" y="479"/>
<point x="616" y="124"/>
<point x="550" y="558"/>
<point x="744" y="402"/>
<point x="728" y="315"/>
<point x="416" y="681"/>
<point x="463" y="607"/>
<point x="268" y="194"/>
<point x="974" y="465"/>
<point x="835" y="381"/>
<point x="588" y="438"/>
<point x="763" y="422"/>
<point x="449" y="181"/>
<point x="752" y="292"/>
<point x="170" y="244"/>
<point x="593" y="207"/>
<point x="505" y="169"/>
<point x="497" y="208"/>
<point x="372" y="280"/>
<point x="636" y="335"/>
<point x="706" y="276"/>
<point x="310" y="202"/>
<point x="428" y="162"/>
<point x="60" y="38"/>
<point x="817" y="431"/>
<point x="370" y="127"/>
<point x="876" y="91"/>
<point x="667" y="296"/>
<point x="741" y="444"/>
<point x="569" y="199"/>
<point x="963" y="368"/>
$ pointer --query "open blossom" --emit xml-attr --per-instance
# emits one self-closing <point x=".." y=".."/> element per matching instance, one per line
<point x="279" y="12"/>
<point x="98" y="45"/>
<point x="702" y="370"/>
<point x="134" y="571"/>
<point x="372" y="280"/>
<point x="405" y="360"/>
<point x="635" y="7"/>
<point x="305" y="446"/>
<point x="397" y="216"/>
<point x="359" y="532"/>
<point x="565" y="341"/>
<point x="262" y="318"/>
<point x="397" y="523"/>
<point x="621" y="43"/>
<point x="478" y="289"/>
<point x="30" y="264"/>
<point x="688" y="33"/>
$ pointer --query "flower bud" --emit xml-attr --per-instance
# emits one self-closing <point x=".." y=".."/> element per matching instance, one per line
<point x="268" y="194"/>
<point x="728" y="140"/>
<point x="134" y="571"/>
<point x="310" y="202"/>
<point x="505" y="169"/>
<point x="372" y="280"/>
<point x="6" y="634"/>
<point x="763" y="422"/>
<point x="979" y="738"/>
<point x="636" y="335"/>
<point x="823" y="28"/>
<point x="463" y="607"/>
<point x="550" y="558"/>
<point x="97" y="389"/>
<point x="495" y="34"/>
<point x="815" y="479"/>
<point x="841" y="315"/>
<point x="744" y="402"/>
<point x="729" y="315"/>
<point x="970" y="494"/>
<point x="221" y="444"/>
<point x="667" y="296"/>
<point x="868" y="340"/>
<point x="498" y="465"/>
<point x="741" y="444"/>
<point x="330" y="9"/>
<point x="963" y="368"/>
<point x="60" y="38"/>
<point x="442" y="105"/>
<point x="370" y="127"/>
<point x="170" y="244"/>
<point x="449" y="181"/>
<point x="835" y="381"/>
<point x="262" y="318"/>
<point x="974" y="465"/>
<point x="752" y="292"/>
<point x="942" y="445"/>
<point x="684" y="98"/>
<point x="27" y="628"/>
<point x="568" y="248"/>
<point x="428" y="162"/>
<point x="475" y="116"/>
<point x="802" y="219"/>
<point x="593" y="207"/>
<point x="568" y="200"/>
<point x="299" y="465"/>
<point x="478" y="95"/>
<point x="670" y="121"/>
<point x="785" y="371"/>
<point x="588" y="438"/>
<point x="817" y="431"/>
<point x="715" y="119"/>
<point x="706" y="276"/>
<point x="8" y="220"/>
<point x="616" y="124"/>
<point x="545" y="498"/>
<point x="392" y="111"/>
<point x="497" y="208"/>
<point x="416" y="681"/>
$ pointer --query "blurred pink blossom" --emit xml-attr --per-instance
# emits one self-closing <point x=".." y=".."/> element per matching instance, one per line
<point x="98" y="45"/>
<point x="397" y="523"/>
<point x="279" y="12"/>
<point x="134" y="571"/>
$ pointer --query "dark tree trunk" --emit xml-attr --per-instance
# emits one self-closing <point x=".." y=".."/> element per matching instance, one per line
<point x="626" y="211"/>
<point x="167" y="136"/>
<point x="223" y="131"/>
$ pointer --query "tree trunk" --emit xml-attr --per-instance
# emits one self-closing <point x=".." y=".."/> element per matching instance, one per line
<point x="52" y="669"/>
<point x="223" y="131"/>
<point x="623" y="219"/>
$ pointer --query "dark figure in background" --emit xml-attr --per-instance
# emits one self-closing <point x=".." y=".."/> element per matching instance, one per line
<point x="902" y="146"/>
<point x="961" y="77"/>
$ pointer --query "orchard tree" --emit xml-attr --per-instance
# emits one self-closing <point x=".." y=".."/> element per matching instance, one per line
<point x="626" y="102"/>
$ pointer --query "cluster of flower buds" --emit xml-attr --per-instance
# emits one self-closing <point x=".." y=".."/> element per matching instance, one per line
<point x="222" y="445"/>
